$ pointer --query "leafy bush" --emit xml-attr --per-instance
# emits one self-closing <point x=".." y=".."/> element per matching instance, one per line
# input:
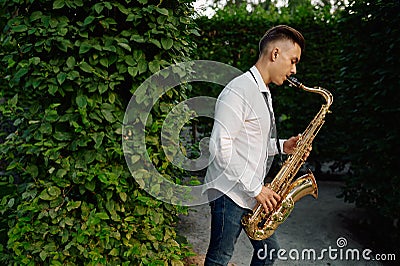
<point x="67" y="197"/>
<point x="369" y="86"/>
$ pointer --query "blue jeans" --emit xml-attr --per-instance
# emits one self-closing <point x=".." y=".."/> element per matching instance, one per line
<point x="225" y="230"/>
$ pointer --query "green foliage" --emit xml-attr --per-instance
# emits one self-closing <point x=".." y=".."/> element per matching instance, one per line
<point x="66" y="195"/>
<point x="370" y="84"/>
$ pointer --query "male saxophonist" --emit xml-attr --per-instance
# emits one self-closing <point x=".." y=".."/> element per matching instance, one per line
<point x="241" y="143"/>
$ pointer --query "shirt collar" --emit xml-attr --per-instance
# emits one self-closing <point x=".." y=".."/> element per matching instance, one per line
<point x="260" y="82"/>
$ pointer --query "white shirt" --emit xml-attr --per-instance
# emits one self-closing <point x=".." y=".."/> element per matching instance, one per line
<point x="240" y="141"/>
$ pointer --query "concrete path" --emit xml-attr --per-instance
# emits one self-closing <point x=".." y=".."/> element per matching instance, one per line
<point x="316" y="233"/>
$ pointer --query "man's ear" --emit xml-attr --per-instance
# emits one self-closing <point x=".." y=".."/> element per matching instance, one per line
<point x="274" y="54"/>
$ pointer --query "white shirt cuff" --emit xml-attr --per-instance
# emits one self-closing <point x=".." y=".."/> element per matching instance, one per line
<point x="255" y="193"/>
<point x="281" y="141"/>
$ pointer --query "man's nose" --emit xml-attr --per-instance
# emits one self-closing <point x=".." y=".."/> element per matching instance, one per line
<point x="293" y="70"/>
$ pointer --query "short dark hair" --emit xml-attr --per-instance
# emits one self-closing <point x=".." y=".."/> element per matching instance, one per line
<point x="281" y="32"/>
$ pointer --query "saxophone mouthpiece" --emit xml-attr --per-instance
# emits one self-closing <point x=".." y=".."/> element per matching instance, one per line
<point x="293" y="81"/>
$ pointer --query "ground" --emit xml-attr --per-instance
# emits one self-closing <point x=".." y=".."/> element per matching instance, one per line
<point x="317" y="232"/>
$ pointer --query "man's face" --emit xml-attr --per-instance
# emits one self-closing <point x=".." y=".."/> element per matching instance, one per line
<point x="285" y="55"/>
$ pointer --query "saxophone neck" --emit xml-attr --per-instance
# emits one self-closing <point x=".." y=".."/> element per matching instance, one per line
<point x="325" y="93"/>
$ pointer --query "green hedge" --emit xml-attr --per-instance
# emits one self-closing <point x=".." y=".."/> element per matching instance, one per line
<point x="67" y="197"/>
<point x="369" y="96"/>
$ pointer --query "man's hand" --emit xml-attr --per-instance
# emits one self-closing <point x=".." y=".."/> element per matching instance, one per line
<point x="290" y="145"/>
<point x="268" y="198"/>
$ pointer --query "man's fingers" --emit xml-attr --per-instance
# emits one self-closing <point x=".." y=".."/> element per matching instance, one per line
<point x="271" y="203"/>
<point x="273" y="195"/>
<point x="307" y="153"/>
<point x="268" y="198"/>
<point x="276" y="196"/>
<point x="265" y="207"/>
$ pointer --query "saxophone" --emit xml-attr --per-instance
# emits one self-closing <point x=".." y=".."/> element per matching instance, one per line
<point x="261" y="224"/>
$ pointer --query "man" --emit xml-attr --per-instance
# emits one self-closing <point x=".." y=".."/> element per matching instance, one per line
<point x="241" y="142"/>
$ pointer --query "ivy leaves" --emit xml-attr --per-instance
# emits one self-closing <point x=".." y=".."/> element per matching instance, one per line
<point x="74" y="64"/>
<point x="58" y="4"/>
